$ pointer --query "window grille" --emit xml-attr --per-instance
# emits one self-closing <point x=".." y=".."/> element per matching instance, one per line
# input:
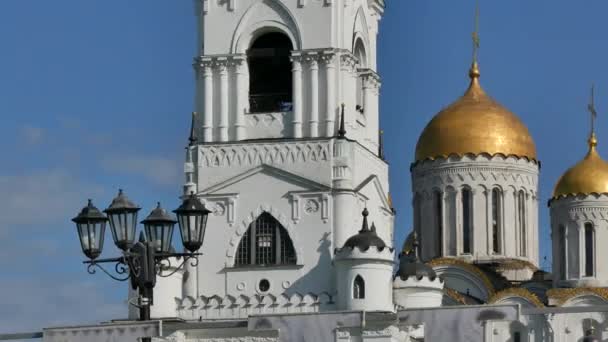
<point x="265" y="243"/>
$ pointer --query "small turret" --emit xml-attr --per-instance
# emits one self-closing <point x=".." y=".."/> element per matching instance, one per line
<point x="416" y="285"/>
<point x="364" y="266"/>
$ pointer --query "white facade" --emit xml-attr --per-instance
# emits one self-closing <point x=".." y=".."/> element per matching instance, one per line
<point x="288" y="164"/>
<point x="578" y="223"/>
<point x="286" y="189"/>
<point x="438" y="187"/>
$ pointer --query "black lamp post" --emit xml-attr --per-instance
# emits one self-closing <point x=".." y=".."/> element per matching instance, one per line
<point x="142" y="261"/>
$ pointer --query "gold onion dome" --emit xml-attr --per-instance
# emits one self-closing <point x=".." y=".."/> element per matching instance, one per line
<point x="589" y="176"/>
<point x="475" y="124"/>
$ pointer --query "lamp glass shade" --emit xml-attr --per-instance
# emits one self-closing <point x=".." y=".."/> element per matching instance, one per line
<point x="91" y="226"/>
<point x="192" y="219"/>
<point x="160" y="235"/>
<point x="122" y="214"/>
<point x="159" y="227"/>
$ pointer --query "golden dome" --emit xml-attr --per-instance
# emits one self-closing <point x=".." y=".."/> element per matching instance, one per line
<point x="589" y="176"/>
<point x="475" y="124"/>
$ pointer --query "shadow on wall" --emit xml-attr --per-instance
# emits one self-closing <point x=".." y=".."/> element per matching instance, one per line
<point x="318" y="273"/>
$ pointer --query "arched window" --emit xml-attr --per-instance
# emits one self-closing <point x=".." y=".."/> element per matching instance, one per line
<point x="561" y="251"/>
<point x="521" y="215"/>
<point x="359" y="52"/>
<point x="496" y="220"/>
<point x="438" y="203"/>
<point x="589" y="249"/>
<point x="265" y="243"/>
<point x="467" y="218"/>
<point x="358" y="288"/>
<point x="270" y="85"/>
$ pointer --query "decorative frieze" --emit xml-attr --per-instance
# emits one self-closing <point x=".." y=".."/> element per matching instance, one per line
<point x="266" y="153"/>
<point x="243" y="306"/>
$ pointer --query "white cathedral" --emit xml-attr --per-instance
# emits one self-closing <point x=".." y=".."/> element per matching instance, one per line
<point x="285" y="150"/>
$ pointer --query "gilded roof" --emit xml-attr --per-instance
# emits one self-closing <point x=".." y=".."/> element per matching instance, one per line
<point x="475" y="124"/>
<point x="589" y="176"/>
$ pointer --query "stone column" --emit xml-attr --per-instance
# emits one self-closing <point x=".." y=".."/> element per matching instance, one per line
<point x="458" y="217"/>
<point x="241" y="96"/>
<point x="489" y="218"/>
<point x="330" y="109"/>
<point x="208" y="102"/>
<point x="297" y="95"/>
<point x="223" y="125"/>
<point x="314" y="96"/>
<point x="581" y="250"/>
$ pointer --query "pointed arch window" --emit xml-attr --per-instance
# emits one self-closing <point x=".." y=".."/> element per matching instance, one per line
<point x="467" y="219"/>
<point x="270" y="75"/>
<point x="359" y="52"/>
<point x="438" y="204"/>
<point x="496" y="220"/>
<point x="589" y="249"/>
<point x="265" y="243"/>
<point x="358" y="288"/>
<point x="521" y="215"/>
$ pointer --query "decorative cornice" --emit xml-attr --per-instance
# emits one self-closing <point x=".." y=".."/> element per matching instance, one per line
<point x="467" y="267"/>
<point x="561" y="296"/>
<point x="455" y="295"/>
<point x="517" y="292"/>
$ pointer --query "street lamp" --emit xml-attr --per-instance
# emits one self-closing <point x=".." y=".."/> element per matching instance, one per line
<point x="192" y="217"/>
<point x="141" y="261"/>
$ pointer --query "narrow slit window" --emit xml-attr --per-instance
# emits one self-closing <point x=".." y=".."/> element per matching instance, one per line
<point x="589" y="250"/>
<point x="496" y="221"/>
<point x="438" y="199"/>
<point x="466" y="220"/>
<point x="522" y="223"/>
<point x="359" y="288"/>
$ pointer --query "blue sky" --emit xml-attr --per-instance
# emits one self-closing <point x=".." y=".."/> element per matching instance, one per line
<point x="96" y="95"/>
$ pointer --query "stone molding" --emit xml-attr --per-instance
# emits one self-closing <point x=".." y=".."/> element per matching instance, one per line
<point x="218" y="62"/>
<point x="253" y="154"/>
<point x="373" y="253"/>
<point x="562" y="296"/>
<point x="469" y="268"/>
<point x="516" y="292"/>
<point x="244" y="306"/>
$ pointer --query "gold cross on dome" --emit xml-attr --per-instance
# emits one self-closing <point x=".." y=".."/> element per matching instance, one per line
<point x="476" y="33"/>
<point x="591" y="109"/>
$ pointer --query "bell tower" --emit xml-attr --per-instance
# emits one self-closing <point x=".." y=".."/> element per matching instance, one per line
<point x="272" y="69"/>
<point x="285" y="150"/>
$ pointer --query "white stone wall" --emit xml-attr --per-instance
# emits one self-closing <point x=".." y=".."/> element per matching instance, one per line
<point x="413" y="293"/>
<point x="480" y="174"/>
<point x="325" y="71"/>
<point x="569" y="215"/>
<point x="315" y="188"/>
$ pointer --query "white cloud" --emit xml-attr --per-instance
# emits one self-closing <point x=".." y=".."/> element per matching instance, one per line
<point x="32" y="135"/>
<point x="157" y="170"/>
<point x="41" y="198"/>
